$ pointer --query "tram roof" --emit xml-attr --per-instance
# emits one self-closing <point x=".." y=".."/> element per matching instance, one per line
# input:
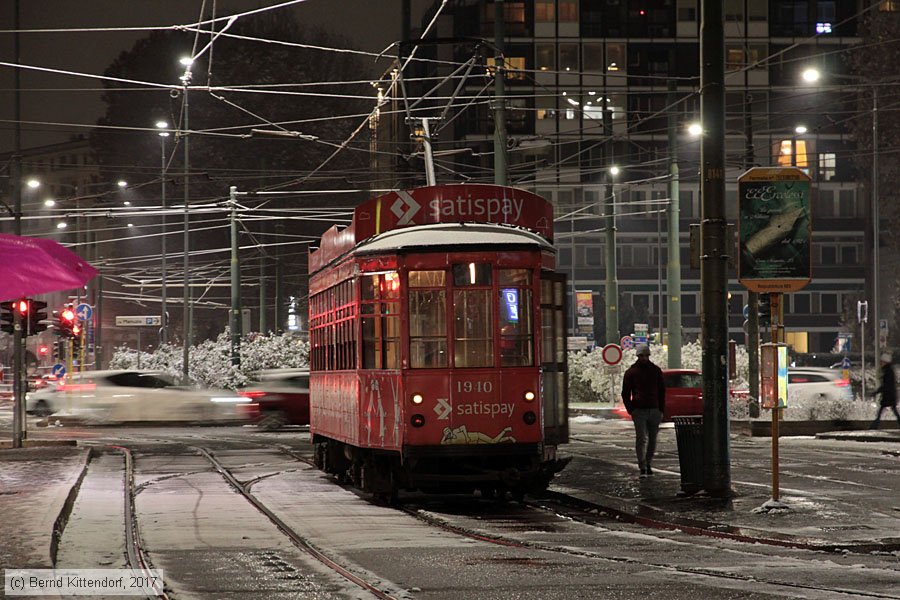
<point x="475" y="204"/>
<point x="457" y="235"/>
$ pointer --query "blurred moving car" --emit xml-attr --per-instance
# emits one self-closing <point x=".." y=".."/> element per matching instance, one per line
<point x="817" y="383"/>
<point x="126" y="395"/>
<point x="281" y="397"/>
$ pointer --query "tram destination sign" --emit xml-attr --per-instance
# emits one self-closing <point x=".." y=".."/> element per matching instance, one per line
<point x="775" y="229"/>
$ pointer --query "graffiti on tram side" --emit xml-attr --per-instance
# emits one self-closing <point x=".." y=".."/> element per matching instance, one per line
<point x="461" y="435"/>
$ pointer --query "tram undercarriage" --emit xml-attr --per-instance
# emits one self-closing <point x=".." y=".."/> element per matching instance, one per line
<point x="493" y="471"/>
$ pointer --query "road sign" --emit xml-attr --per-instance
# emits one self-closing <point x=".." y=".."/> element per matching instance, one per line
<point x="84" y="312"/>
<point x="58" y="370"/>
<point x="746" y="311"/>
<point x="845" y="362"/>
<point x="627" y="342"/>
<point x="775" y="229"/>
<point x="139" y="321"/>
<point x="611" y="354"/>
<point x="640" y="333"/>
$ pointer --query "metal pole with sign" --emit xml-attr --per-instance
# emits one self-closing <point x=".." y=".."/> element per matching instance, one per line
<point x="775" y="232"/>
<point x="862" y="315"/>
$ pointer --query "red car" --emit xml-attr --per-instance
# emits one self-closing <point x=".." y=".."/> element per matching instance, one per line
<point x="280" y="397"/>
<point x="684" y="394"/>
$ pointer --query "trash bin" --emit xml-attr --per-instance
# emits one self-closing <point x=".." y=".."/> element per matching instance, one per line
<point x="689" y="437"/>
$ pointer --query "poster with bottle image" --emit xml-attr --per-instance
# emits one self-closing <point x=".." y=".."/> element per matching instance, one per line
<point x="775" y="229"/>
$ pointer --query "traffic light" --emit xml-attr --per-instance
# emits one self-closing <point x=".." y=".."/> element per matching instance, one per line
<point x="765" y="310"/>
<point x="36" y="312"/>
<point x="68" y="322"/>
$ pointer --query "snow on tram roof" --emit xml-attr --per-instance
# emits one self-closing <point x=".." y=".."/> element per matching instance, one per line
<point x="452" y="234"/>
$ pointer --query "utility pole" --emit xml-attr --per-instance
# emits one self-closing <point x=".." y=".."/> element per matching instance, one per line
<point x="235" y="281"/>
<point x="609" y="210"/>
<point x="186" y="292"/>
<point x="673" y="268"/>
<point x="500" y="177"/>
<point x="713" y="254"/>
<point x="16" y="188"/>
<point x="752" y="297"/>
<point x="279" y="290"/>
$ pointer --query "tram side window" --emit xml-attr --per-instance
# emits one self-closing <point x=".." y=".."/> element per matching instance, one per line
<point x="516" y="325"/>
<point x="472" y="312"/>
<point x="380" y="307"/>
<point x="427" y="319"/>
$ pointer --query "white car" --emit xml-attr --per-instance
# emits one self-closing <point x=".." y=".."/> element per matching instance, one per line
<point x="119" y="396"/>
<point x="813" y="383"/>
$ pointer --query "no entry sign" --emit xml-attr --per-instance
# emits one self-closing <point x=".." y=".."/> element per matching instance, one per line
<point x="611" y="354"/>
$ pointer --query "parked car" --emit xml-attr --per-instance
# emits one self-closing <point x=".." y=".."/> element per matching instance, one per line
<point x="126" y="395"/>
<point x="684" y="394"/>
<point x="816" y="383"/>
<point x="280" y="397"/>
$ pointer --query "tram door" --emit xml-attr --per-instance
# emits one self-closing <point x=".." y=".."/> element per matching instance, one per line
<point x="554" y="358"/>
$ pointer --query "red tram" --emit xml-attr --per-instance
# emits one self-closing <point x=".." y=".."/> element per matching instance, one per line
<point x="437" y="343"/>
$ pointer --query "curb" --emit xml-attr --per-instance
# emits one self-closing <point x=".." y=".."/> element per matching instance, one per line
<point x="59" y="525"/>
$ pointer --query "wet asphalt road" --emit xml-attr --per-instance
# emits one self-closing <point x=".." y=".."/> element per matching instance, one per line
<point x="212" y="543"/>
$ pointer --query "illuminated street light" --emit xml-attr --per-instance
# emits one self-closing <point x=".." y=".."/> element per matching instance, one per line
<point x="61" y="225"/>
<point x="695" y="129"/>
<point x="801" y="129"/>
<point x="812" y="75"/>
<point x="163" y="329"/>
<point x="122" y="183"/>
<point x="614" y="170"/>
<point x="49" y="202"/>
<point x="33" y="183"/>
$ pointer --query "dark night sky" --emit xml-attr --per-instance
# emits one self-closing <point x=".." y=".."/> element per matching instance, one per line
<point x="369" y="25"/>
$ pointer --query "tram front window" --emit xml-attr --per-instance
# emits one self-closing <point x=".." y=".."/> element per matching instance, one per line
<point x="427" y="320"/>
<point x="516" y="333"/>
<point x="472" y="310"/>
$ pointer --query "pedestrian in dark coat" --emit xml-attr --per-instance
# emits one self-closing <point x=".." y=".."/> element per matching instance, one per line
<point x="644" y="395"/>
<point x="887" y="389"/>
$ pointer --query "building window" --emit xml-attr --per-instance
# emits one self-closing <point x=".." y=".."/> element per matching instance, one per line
<point x="889" y="6"/>
<point x="847" y="203"/>
<point x="757" y="11"/>
<point x="801" y="304"/>
<point x="615" y="57"/>
<point x="688" y="304"/>
<point x="592" y="57"/>
<point x="472" y="326"/>
<point x="568" y="11"/>
<point x="829" y="303"/>
<point x="545" y="57"/>
<point x="545" y="107"/>
<point x="792" y="153"/>
<point x="545" y="12"/>
<point x="687" y="11"/>
<point x="568" y="57"/>
<point x="829" y="255"/>
<point x="827" y="166"/>
<point x="848" y="255"/>
<point x="734" y="10"/>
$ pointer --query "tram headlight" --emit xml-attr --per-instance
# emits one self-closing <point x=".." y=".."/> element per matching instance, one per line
<point x="529" y="396"/>
<point x="417" y="399"/>
<point x="529" y="417"/>
<point x="417" y="420"/>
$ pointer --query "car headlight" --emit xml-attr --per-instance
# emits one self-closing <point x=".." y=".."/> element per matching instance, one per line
<point x="529" y="396"/>
<point x="417" y="399"/>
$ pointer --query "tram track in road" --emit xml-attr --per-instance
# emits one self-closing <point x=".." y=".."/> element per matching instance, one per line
<point x="564" y="507"/>
<point x="134" y="548"/>
<point x="295" y="538"/>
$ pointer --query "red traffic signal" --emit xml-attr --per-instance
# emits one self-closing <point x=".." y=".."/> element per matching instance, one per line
<point x="22" y="305"/>
<point x="67" y="315"/>
<point x="43" y="350"/>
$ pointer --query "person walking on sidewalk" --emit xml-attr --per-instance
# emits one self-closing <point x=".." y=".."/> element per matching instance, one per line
<point x="888" y="390"/>
<point x="644" y="395"/>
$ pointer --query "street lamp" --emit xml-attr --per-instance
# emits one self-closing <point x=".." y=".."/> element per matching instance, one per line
<point x="812" y="75"/>
<point x="612" y="284"/>
<point x="186" y="317"/>
<point x="164" y="322"/>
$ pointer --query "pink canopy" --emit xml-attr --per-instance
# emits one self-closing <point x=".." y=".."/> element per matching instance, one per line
<point x="31" y="266"/>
